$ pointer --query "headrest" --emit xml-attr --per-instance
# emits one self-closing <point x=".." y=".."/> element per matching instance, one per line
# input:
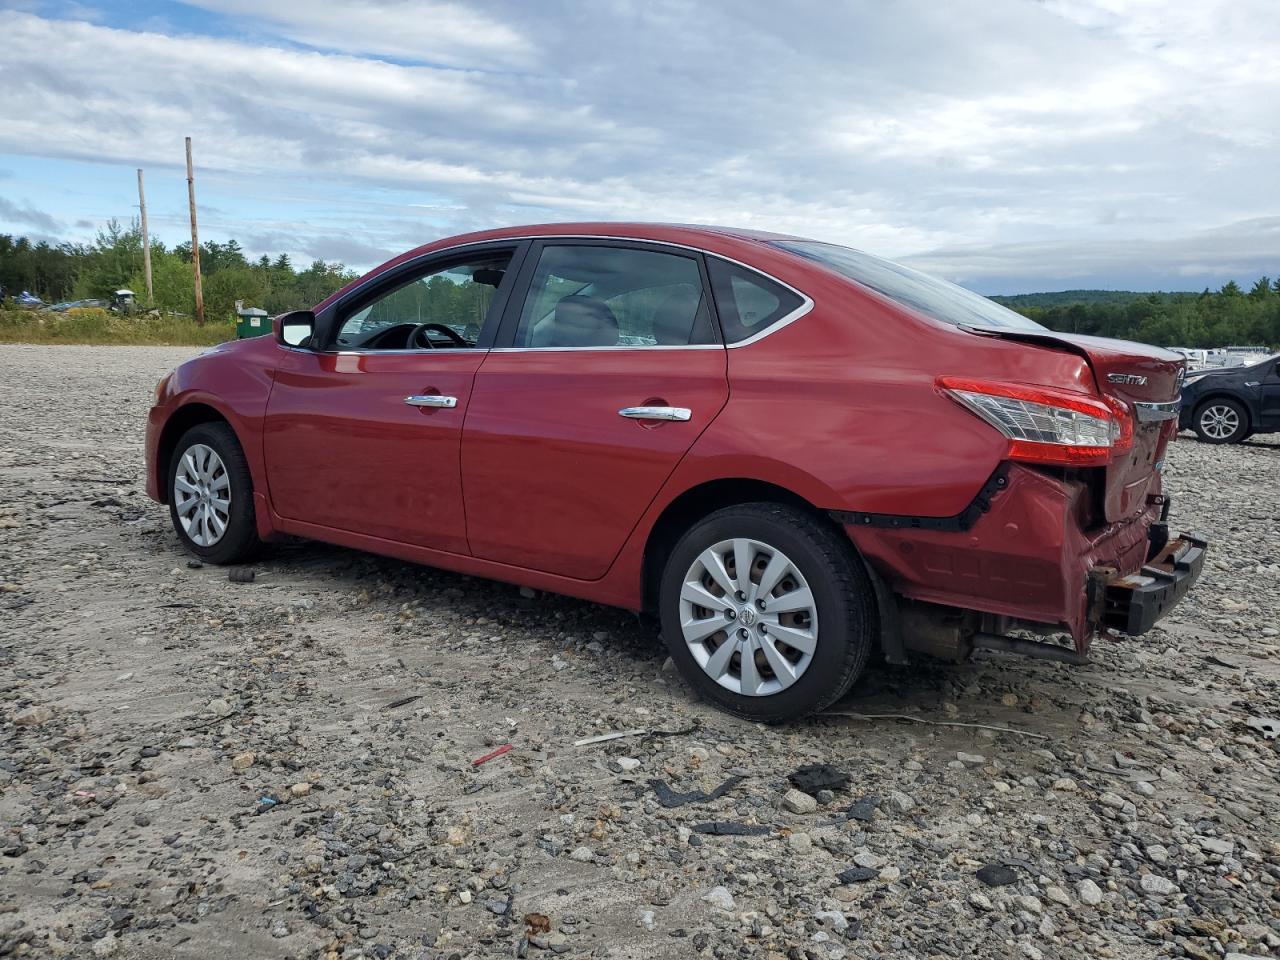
<point x="581" y="321"/>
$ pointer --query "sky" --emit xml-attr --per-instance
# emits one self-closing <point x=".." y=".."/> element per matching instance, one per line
<point x="1010" y="145"/>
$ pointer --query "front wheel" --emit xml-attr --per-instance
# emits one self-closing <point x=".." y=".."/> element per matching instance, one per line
<point x="766" y="611"/>
<point x="211" y="495"/>
<point x="1221" y="420"/>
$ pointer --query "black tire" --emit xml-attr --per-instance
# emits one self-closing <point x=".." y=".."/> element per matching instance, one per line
<point x="841" y="591"/>
<point x="239" y="541"/>
<point x="1221" y="405"/>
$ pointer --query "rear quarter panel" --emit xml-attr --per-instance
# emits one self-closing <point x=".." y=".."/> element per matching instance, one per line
<point x="844" y="401"/>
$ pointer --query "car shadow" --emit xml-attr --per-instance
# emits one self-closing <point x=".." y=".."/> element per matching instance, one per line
<point x="461" y="597"/>
<point x="926" y="684"/>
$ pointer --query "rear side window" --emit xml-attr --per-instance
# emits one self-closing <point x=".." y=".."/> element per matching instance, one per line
<point x="748" y="302"/>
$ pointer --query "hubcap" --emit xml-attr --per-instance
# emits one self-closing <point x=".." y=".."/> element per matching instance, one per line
<point x="202" y="495"/>
<point x="748" y="616"/>
<point x="1219" y="422"/>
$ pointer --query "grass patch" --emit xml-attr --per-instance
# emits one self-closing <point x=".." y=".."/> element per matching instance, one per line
<point x="93" y="326"/>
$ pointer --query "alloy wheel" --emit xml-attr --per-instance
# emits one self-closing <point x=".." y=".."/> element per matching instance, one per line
<point x="202" y="495"/>
<point x="748" y="617"/>
<point x="1219" y="421"/>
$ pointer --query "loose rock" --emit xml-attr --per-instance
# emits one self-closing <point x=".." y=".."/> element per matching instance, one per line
<point x="720" y="898"/>
<point x="798" y="802"/>
<point x="1089" y="892"/>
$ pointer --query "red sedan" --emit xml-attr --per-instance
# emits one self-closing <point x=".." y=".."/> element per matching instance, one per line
<point x="796" y="454"/>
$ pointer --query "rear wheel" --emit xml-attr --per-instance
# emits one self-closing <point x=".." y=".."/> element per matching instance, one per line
<point x="211" y="495"/>
<point x="767" y="612"/>
<point x="1221" y="420"/>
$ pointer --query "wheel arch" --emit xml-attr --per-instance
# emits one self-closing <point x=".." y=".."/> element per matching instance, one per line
<point x="697" y="502"/>
<point x="180" y="421"/>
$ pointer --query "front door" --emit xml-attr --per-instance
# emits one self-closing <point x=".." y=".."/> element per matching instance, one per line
<point x="364" y="436"/>
<point x="604" y="374"/>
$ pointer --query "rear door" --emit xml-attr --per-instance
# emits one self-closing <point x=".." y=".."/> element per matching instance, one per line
<point x="364" y="436"/>
<point x="606" y="370"/>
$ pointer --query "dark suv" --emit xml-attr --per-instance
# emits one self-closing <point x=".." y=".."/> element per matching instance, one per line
<point x="1228" y="406"/>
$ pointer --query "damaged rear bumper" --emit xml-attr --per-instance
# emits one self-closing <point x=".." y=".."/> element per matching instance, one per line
<point x="1132" y="604"/>
<point x="1025" y="561"/>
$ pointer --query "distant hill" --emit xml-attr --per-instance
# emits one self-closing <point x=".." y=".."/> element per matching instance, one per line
<point x="1210" y="318"/>
<point x="1062" y="298"/>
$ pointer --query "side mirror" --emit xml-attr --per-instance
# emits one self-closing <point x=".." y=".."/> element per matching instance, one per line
<point x="294" y="329"/>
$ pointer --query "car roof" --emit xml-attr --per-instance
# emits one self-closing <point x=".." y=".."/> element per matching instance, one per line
<point x="628" y="230"/>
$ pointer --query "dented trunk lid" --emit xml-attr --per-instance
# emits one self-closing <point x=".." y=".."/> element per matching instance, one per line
<point x="1143" y="377"/>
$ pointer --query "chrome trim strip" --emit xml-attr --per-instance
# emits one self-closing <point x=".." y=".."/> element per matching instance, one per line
<point x="781" y="322"/>
<point x="625" y="346"/>
<point x="399" y="353"/>
<point x="656" y="413"/>
<point x="806" y="304"/>
<point x="1154" y="412"/>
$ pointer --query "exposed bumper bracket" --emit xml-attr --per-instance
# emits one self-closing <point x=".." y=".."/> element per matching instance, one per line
<point x="1134" y="603"/>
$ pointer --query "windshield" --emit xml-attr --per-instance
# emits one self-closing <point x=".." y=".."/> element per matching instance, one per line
<point x="933" y="297"/>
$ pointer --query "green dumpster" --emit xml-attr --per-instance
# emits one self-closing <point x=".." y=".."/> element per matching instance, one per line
<point x="252" y="322"/>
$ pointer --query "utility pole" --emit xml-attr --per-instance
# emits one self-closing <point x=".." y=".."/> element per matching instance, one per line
<point x="195" y="239"/>
<point x="146" y="240"/>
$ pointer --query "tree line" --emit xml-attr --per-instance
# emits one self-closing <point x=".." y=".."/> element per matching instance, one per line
<point x="67" y="271"/>
<point x="113" y="261"/>
<point x="1225" y="317"/>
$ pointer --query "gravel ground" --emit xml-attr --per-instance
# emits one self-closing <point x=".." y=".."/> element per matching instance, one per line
<point x="198" y="768"/>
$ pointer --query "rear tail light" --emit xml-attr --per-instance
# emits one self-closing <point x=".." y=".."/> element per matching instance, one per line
<point x="1124" y="417"/>
<point x="1046" y="424"/>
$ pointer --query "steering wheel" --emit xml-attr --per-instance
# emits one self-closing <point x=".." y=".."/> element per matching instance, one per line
<point x="419" y="336"/>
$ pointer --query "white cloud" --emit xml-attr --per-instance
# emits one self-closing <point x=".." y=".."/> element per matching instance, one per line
<point x="1018" y="131"/>
<point x="416" y="30"/>
<point x="1242" y="247"/>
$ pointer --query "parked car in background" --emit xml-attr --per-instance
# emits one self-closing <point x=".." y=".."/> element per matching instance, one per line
<point x="1228" y="357"/>
<point x="1196" y="359"/>
<point x="795" y="454"/>
<point x="123" y="301"/>
<point x="66" y="305"/>
<point x="1229" y="405"/>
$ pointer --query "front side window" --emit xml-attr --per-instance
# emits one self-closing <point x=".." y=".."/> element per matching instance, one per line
<point x="604" y="296"/>
<point x="442" y="309"/>
<point x="934" y="298"/>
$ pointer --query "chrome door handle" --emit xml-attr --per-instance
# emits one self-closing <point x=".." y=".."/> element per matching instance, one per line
<point x="656" y="413"/>
<point x="431" y="400"/>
